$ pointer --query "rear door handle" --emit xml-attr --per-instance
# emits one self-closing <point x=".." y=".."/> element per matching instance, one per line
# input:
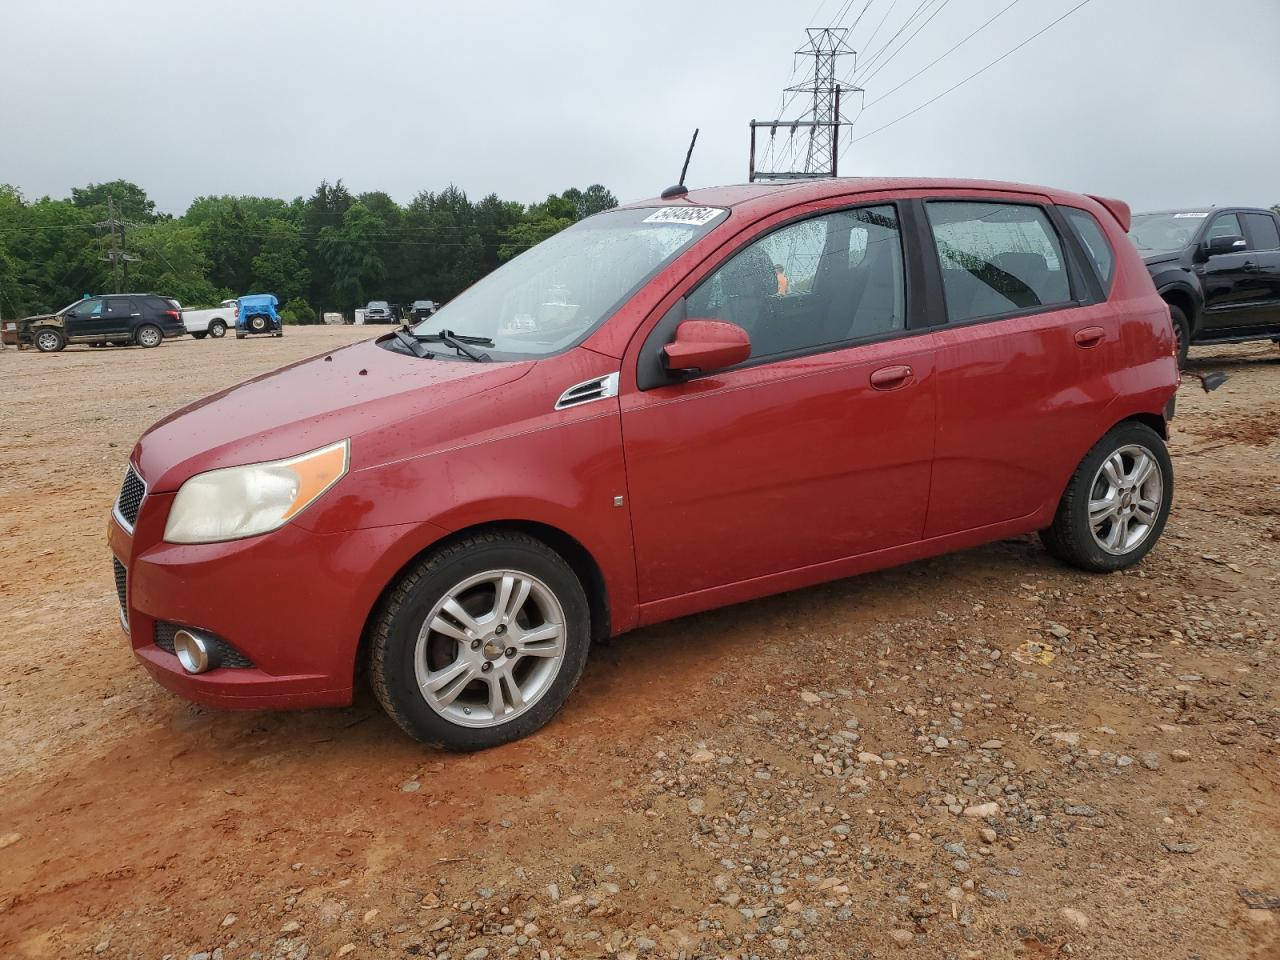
<point x="1090" y="336"/>
<point x="891" y="378"/>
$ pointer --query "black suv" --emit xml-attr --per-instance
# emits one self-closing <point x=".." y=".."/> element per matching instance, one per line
<point x="119" y="319"/>
<point x="1217" y="268"/>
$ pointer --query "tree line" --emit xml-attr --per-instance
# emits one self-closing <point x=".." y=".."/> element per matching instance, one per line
<point x="333" y="251"/>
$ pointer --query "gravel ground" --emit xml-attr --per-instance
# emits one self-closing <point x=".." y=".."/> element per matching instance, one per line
<point x="984" y="755"/>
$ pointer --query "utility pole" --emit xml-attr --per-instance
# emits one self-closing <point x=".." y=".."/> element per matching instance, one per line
<point x="119" y="257"/>
<point x="821" y="154"/>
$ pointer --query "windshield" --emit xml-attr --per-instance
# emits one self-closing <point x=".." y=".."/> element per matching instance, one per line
<point x="1165" y="232"/>
<point x="556" y="293"/>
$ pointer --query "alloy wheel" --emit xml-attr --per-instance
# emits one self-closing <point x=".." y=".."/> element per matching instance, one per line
<point x="1125" y="499"/>
<point x="490" y="648"/>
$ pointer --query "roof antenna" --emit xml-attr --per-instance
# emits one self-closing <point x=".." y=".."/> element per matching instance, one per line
<point x="680" y="190"/>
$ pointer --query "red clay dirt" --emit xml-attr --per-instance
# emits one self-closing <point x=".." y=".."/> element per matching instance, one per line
<point x="801" y="776"/>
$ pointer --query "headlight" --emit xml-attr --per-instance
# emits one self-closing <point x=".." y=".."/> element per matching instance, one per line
<point x="245" y="501"/>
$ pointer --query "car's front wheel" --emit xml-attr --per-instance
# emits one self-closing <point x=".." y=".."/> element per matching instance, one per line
<point x="50" y="341"/>
<point x="481" y="642"/>
<point x="1117" y="502"/>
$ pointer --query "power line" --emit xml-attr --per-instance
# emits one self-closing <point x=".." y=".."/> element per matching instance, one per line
<point x="889" y="59"/>
<point x="937" y="60"/>
<point x="874" y="58"/>
<point x="973" y="75"/>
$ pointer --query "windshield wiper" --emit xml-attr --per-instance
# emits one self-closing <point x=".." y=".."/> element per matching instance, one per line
<point x="410" y="343"/>
<point x="459" y="343"/>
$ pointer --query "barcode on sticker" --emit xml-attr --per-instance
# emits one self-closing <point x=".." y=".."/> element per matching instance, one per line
<point x="690" y="216"/>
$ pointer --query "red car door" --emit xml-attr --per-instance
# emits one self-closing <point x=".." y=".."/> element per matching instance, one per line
<point x="818" y="447"/>
<point x="1021" y="364"/>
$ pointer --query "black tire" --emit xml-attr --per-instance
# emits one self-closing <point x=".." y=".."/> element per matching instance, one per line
<point x="199" y="334"/>
<point x="217" y="329"/>
<point x="148" y="335"/>
<point x="1181" y="332"/>
<point x="1071" y="538"/>
<point x="257" y="324"/>
<point x="397" y="621"/>
<point x="49" y="340"/>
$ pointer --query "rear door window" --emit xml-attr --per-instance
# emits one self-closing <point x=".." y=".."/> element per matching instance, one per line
<point x="1263" y="234"/>
<point x="118" y="307"/>
<point x="1095" y="243"/>
<point x="997" y="259"/>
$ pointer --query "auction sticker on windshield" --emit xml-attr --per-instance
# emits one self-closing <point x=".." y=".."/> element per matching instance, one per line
<point x="1189" y="216"/>
<point x="692" y="216"/>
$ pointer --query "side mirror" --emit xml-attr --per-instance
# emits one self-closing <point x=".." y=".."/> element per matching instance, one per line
<point x="1216" y="245"/>
<point x="706" y="345"/>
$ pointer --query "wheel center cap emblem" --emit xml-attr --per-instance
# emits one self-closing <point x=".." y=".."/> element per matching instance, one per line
<point x="493" y="650"/>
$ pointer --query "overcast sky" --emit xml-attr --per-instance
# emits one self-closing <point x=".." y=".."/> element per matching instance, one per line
<point x="1159" y="102"/>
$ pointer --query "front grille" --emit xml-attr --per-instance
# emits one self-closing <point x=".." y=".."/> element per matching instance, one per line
<point x="131" y="493"/>
<point x="226" y="655"/>
<point x="122" y="590"/>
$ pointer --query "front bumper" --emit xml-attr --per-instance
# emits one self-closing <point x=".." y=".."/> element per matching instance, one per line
<point x="292" y="601"/>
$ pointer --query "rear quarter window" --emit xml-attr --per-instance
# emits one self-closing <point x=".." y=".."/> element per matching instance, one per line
<point x="1094" y="240"/>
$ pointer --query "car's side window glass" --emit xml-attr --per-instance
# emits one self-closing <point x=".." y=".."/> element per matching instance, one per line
<point x="997" y="258"/>
<point x="87" y="308"/>
<point x="119" y="307"/>
<point x="1225" y="225"/>
<point x="1094" y="241"/>
<point x="827" y="280"/>
<point x="1263" y="234"/>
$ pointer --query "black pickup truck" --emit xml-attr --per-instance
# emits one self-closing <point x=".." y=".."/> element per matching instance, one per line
<point x="1218" y="268"/>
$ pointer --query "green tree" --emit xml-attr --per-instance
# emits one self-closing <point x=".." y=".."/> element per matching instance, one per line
<point x="173" y="263"/>
<point x="280" y="266"/>
<point x="350" y="252"/>
<point x="131" y="201"/>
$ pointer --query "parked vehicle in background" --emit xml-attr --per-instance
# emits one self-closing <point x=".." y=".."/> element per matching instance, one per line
<point x="627" y="423"/>
<point x="421" y="309"/>
<point x="115" y="319"/>
<point x="211" y="321"/>
<point x="258" y="314"/>
<point x="334" y="319"/>
<point x="378" y="311"/>
<point x="1218" y="268"/>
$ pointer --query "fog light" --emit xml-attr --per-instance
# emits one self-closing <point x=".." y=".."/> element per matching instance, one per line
<point x="193" y="651"/>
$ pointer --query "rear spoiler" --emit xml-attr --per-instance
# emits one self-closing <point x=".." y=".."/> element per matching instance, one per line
<point x="1117" y="208"/>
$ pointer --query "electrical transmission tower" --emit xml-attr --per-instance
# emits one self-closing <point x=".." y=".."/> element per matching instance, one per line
<point x="821" y="154"/>
<point x="118" y="256"/>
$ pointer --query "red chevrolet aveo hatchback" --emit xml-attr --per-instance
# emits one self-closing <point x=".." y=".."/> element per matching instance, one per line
<point x="668" y="407"/>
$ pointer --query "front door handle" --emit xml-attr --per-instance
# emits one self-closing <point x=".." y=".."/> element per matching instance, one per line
<point x="1250" y="266"/>
<point x="1090" y="336"/>
<point x="891" y="378"/>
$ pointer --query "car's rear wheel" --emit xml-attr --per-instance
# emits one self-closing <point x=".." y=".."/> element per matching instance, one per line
<point x="50" y="341"/>
<point x="149" y="335"/>
<point x="1117" y="502"/>
<point x="1181" y="332"/>
<point x="481" y="642"/>
<point x="257" y="324"/>
<point x="217" y="329"/>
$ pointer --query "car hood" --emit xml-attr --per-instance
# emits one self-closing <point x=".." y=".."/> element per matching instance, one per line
<point x="1166" y="257"/>
<point x="38" y="316"/>
<point x="314" y="402"/>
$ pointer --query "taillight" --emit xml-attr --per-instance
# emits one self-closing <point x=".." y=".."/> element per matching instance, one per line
<point x="176" y="315"/>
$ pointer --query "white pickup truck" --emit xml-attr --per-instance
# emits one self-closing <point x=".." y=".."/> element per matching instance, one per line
<point x="213" y="321"/>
